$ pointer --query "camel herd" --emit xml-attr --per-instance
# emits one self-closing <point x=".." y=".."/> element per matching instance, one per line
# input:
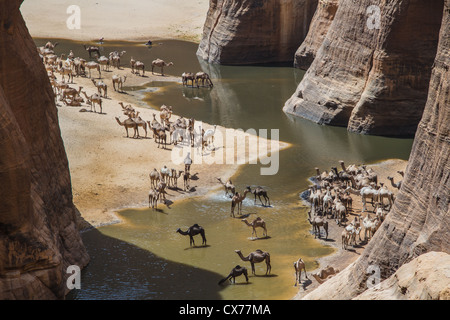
<point x="330" y="196"/>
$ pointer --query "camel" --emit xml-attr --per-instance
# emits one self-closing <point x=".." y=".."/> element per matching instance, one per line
<point x="101" y="86"/>
<point x="153" y="197"/>
<point x="138" y="66"/>
<point x="128" y="123"/>
<point x="318" y="222"/>
<point x="175" y="176"/>
<point x="256" y="256"/>
<point x="257" y="223"/>
<point x="365" y="193"/>
<point x="298" y="266"/>
<point x="70" y="92"/>
<point x="370" y="174"/>
<point x="104" y="63"/>
<point x="325" y="274"/>
<point x="154" y="178"/>
<point x="186" y="77"/>
<point x="203" y="77"/>
<point x="51" y="46"/>
<point x="384" y="193"/>
<point x="327" y="201"/>
<point x="165" y="114"/>
<point x="370" y="226"/>
<point x="119" y="80"/>
<point x="237" y="201"/>
<point x="161" y="188"/>
<point x="64" y="71"/>
<point x="114" y="58"/>
<point x="229" y="187"/>
<point x="259" y="191"/>
<point x="193" y="231"/>
<point x="340" y="211"/>
<point x="94" y="99"/>
<point x="235" y="272"/>
<point x="128" y="109"/>
<point x="343" y="176"/>
<point x="93" y="65"/>
<point x="92" y="49"/>
<point x="348" y="235"/>
<point x="140" y="123"/>
<point x="186" y="178"/>
<point x="164" y="173"/>
<point x="160" y="136"/>
<point x="160" y="64"/>
<point x="208" y="136"/>
<point x="397" y="185"/>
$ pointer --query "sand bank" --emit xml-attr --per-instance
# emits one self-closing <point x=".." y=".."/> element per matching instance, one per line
<point x="116" y="19"/>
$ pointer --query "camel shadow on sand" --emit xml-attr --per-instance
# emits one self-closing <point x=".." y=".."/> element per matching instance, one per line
<point x="259" y="238"/>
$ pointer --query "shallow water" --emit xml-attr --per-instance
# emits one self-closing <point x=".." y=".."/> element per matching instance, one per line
<point x="144" y="258"/>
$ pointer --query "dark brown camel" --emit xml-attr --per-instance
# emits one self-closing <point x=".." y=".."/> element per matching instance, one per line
<point x="235" y="272"/>
<point x="192" y="231"/>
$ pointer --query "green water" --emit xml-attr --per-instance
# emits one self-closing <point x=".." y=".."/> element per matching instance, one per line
<point x="144" y="258"/>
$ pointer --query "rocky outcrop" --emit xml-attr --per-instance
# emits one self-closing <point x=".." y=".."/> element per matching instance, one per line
<point x="320" y="23"/>
<point x="371" y="77"/>
<point x="419" y="221"/>
<point x="254" y="31"/>
<point x="427" y="277"/>
<point x="39" y="237"/>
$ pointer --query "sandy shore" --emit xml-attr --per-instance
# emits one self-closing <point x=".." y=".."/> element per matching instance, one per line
<point x="342" y="258"/>
<point x="116" y="19"/>
<point x="110" y="171"/>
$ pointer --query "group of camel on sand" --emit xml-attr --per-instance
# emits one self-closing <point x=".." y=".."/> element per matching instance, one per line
<point x="331" y="196"/>
<point x="196" y="78"/>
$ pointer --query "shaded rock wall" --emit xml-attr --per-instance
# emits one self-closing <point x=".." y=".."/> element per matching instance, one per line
<point x="371" y="80"/>
<point x="420" y="219"/>
<point x="39" y="238"/>
<point x="254" y="31"/>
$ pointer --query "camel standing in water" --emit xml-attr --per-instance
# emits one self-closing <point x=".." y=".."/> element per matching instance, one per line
<point x="192" y="231"/>
<point x="256" y="257"/>
<point x="235" y="272"/>
<point x="257" y="223"/>
<point x="237" y="201"/>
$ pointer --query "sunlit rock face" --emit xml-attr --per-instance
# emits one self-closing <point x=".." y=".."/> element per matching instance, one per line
<point x="39" y="237"/>
<point x="254" y="31"/>
<point x="419" y="220"/>
<point x="372" y="70"/>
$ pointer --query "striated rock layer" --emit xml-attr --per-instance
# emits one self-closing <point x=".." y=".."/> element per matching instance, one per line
<point x="372" y="78"/>
<point x="420" y="220"/>
<point x="254" y="31"/>
<point x="39" y="238"/>
<point x="320" y="23"/>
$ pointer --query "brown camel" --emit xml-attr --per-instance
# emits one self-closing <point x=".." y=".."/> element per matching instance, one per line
<point x="193" y="231"/>
<point x="116" y="79"/>
<point x="153" y="197"/>
<point x="186" y="77"/>
<point x="139" y="65"/>
<point x="92" y="49"/>
<point x="397" y="185"/>
<point x="154" y="177"/>
<point x="318" y="222"/>
<point x="93" y="100"/>
<point x="259" y="191"/>
<point x="235" y="272"/>
<point x="257" y="223"/>
<point x="101" y="86"/>
<point x="160" y="64"/>
<point x="237" y="201"/>
<point x="229" y="187"/>
<point x="140" y="123"/>
<point x="203" y="77"/>
<point x="128" y="123"/>
<point x="298" y="266"/>
<point x="256" y="256"/>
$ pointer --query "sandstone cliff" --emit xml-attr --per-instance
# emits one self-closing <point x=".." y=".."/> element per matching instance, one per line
<point x="39" y="238"/>
<point x="419" y="221"/>
<point x="372" y="78"/>
<point x="254" y="31"/>
<point x="320" y="23"/>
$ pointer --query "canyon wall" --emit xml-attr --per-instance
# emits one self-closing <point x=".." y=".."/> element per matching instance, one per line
<point x="372" y="69"/>
<point x="39" y="237"/>
<point x="419" y="221"/>
<point x="254" y="31"/>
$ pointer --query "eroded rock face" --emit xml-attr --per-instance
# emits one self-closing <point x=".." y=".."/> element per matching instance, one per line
<point x="419" y="220"/>
<point x="39" y="237"/>
<point x="254" y="31"/>
<point x="373" y="80"/>
<point x="320" y="23"/>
